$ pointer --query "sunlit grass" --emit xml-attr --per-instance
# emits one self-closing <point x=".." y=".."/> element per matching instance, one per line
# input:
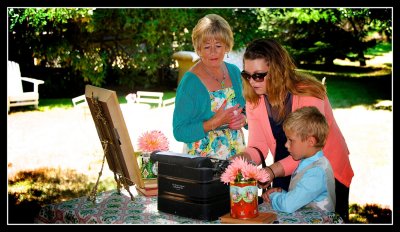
<point x="350" y="74"/>
<point x="379" y="49"/>
<point x="51" y="185"/>
<point x="30" y="190"/>
<point x="344" y="91"/>
<point x="369" y="213"/>
<point x="46" y="104"/>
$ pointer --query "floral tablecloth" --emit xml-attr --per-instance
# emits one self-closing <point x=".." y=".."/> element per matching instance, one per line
<point x="114" y="208"/>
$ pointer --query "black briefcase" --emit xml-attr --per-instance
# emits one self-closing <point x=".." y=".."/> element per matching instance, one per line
<point x="190" y="186"/>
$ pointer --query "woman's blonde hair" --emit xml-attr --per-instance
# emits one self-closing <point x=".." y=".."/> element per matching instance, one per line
<point x="282" y="76"/>
<point x="308" y="121"/>
<point x="212" y="26"/>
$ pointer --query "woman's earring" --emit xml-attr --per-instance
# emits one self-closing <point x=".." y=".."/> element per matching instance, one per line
<point x="227" y="55"/>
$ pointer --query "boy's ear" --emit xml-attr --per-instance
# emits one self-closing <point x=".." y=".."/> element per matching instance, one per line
<point x="311" y="141"/>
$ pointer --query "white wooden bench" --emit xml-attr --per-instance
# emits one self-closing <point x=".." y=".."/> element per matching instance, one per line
<point x="15" y="93"/>
<point x="149" y="97"/>
<point x="168" y="102"/>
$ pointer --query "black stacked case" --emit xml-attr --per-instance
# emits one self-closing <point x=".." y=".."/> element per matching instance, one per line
<point x="190" y="186"/>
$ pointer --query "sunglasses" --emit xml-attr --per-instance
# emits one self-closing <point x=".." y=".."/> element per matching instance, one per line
<point x="257" y="77"/>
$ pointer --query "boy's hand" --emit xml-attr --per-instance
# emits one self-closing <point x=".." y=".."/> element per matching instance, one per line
<point x="265" y="195"/>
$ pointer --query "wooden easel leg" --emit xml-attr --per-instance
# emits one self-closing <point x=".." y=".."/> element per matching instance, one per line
<point x="93" y="193"/>
<point x="129" y="191"/>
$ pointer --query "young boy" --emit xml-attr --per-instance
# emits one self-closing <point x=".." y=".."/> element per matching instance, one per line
<point x="312" y="183"/>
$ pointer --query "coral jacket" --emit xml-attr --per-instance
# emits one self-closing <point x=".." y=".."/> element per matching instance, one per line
<point x="260" y="136"/>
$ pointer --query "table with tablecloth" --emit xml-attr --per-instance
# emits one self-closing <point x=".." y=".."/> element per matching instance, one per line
<point x="112" y="207"/>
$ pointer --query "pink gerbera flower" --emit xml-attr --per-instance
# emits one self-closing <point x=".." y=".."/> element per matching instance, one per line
<point x="240" y="170"/>
<point x="152" y="141"/>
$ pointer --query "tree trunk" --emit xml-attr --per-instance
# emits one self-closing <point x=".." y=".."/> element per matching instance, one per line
<point x="361" y="58"/>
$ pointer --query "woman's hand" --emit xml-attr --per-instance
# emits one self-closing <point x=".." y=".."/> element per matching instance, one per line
<point x="238" y="120"/>
<point x="224" y="116"/>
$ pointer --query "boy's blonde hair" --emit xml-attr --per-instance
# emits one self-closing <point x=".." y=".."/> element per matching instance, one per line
<point x="212" y="26"/>
<point x="308" y="121"/>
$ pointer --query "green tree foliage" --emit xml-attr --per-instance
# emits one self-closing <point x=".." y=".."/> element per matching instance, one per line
<point x="134" y="46"/>
<point x="55" y="37"/>
<point x="122" y="46"/>
<point x="323" y="34"/>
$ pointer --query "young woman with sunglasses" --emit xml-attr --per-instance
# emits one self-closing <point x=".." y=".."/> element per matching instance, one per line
<point x="208" y="115"/>
<point x="272" y="89"/>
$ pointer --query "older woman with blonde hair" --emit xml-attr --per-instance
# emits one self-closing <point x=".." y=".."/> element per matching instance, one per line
<point x="208" y="115"/>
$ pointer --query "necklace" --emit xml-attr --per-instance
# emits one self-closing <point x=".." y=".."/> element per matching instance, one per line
<point x="222" y="82"/>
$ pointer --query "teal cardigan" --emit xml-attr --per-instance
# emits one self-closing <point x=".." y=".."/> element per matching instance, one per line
<point x="193" y="105"/>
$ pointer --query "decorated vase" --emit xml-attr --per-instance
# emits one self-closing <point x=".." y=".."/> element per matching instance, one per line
<point x="244" y="199"/>
<point x="148" y="168"/>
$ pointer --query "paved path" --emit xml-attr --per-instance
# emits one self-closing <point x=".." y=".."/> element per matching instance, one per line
<point x="66" y="139"/>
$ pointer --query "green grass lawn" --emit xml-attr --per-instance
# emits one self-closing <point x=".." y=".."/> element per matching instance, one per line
<point x="46" y="104"/>
<point x="379" y="49"/>
<point x="343" y="91"/>
<point x="348" y="85"/>
<point x="65" y="103"/>
<point x="347" y="92"/>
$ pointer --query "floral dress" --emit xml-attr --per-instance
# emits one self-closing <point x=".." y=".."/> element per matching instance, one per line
<point x="222" y="142"/>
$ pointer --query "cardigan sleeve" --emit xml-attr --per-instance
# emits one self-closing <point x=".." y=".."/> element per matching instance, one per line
<point x="237" y="85"/>
<point x="190" y="110"/>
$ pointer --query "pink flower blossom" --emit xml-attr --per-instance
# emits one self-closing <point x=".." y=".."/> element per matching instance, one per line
<point x="241" y="170"/>
<point x="152" y="141"/>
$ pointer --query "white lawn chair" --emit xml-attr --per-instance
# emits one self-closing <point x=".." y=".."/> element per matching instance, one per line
<point x="149" y="97"/>
<point x="80" y="102"/>
<point x="15" y="94"/>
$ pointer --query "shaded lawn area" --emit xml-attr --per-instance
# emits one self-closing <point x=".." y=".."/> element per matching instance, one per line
<point x="344" y="92"/>
<point x="349" y="86"/>
<point x="30" y="190"/>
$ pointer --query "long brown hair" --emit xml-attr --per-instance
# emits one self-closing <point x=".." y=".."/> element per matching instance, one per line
<point x="282" y="76"/>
